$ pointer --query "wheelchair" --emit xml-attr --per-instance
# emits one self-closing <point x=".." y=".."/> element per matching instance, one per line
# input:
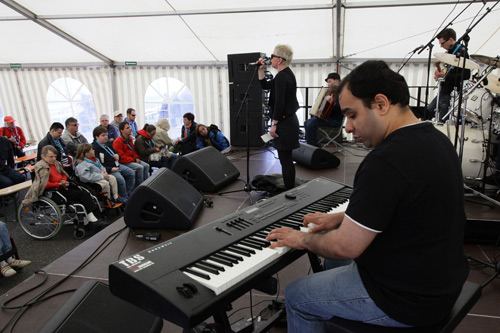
<point x="44" y="218"/>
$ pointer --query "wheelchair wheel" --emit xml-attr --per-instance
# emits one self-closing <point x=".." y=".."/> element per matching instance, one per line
<point x="41" y="219"/>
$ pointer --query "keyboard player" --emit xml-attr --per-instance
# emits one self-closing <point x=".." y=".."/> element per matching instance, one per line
<point x="403" y="226"/>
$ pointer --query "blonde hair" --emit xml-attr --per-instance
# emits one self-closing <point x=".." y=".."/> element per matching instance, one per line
<point x="284" y="51"/>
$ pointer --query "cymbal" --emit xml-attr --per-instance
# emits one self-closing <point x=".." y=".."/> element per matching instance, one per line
<point x="453" y="60"/>
<point x="493" y="83"/>
<point x="489" y="61"/>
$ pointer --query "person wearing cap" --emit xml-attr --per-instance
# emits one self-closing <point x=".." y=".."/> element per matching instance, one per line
<point x="118" y="118"/>
<point x="331" y="115"/>
<point x="15" y="135"/>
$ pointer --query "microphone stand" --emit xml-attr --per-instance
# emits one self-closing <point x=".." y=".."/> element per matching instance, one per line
<point x="248" y="185"/>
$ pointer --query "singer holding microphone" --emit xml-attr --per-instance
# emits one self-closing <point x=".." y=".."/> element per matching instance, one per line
<point x="284" y="105"/>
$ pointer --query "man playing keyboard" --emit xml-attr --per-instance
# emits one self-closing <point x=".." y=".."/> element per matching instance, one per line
<point x="403" y="227"/>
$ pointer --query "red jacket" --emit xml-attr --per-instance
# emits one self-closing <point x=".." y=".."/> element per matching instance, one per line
<point x="8" y="132"/>
<point x="55" y="178"/>
<point x="127" y="153"/>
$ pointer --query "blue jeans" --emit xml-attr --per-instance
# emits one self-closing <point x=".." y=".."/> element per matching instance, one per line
<point x="311" y="126"/>
<point x="5" y="245"/>
<point x="339" y="292"/>
<point x="444" y="105"/>
<point x="141" y="171"/>
<point x="125" y="179"/>
<point x="10" y="178"/>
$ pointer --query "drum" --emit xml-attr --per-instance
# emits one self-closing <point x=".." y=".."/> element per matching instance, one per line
<point x="478" y="105"/>
<point x="474" y="153"/>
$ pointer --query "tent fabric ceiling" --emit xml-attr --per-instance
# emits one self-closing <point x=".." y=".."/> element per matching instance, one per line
<point x="194" y="31"/>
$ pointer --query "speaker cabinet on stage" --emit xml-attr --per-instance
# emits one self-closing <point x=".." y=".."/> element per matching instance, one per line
<point x="206" y="169"/>
<point x="238" y="129"/>
<point x="255" y="97"/>
<point x="237" y="65"/>
<point x="92" y="309"/>
<point x="314" y="158"/>
<point x="163" y="201"/>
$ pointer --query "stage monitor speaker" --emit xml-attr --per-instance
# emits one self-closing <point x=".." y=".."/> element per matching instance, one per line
<point x="238" y="68"/>
<point x="92" y="309"/>
<point x="238" y="129"/>
<point x="163" y="201"/>
<point x="206" y="169"/>
<point x="237" y="94"/>
<point x="314" y="158"/>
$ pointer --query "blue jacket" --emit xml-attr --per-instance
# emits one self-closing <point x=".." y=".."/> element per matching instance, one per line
<point x="219" y="141"/>
<point x="112" y="133"/>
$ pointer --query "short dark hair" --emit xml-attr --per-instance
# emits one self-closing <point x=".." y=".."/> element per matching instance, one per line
<point x="129" y="110"/>
<point x="189" y="116"/>
<point x="98" y="131"/>
<point x="375" y="77"/>
<point x="56" y="126"/>
<point x="70" y="120"/>
<point x="447" y="34"/>
<point x="122" y="125"/>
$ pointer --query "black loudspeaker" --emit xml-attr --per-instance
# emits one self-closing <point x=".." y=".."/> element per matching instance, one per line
<point x="255" y="97"/>
<point x="314" y="158"/>
<point x="237" y="65"/>
<point x="257" y="125"/>
<point x="163" y="201"/>
<point x="206" y="169"/>
<point x="92" y="308"/>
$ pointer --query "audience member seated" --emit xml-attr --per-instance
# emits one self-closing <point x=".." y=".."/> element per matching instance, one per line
<point x="161" y="137"/>
<point x="49" y="174"/>
<point x="7" y="266"/>
<point x="118" y="119"/>
<point x="187" y="142"/>
<point x="72" y="137"/>
<point x="53" y="138"/>
<point x="90" y="170"/>
<point x="112" y="131"/>
<point x="131" y="114"/>
<point x="148" y="150"/>
<point x="8" y="176"/>
<point x="125" y="177"/>
<point x="211" y="137"/>
<point x="331" y="114"/>
<point x="15" y="135"/>
<point x="124" y="146"/>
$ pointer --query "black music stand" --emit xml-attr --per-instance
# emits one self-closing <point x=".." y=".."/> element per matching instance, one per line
<point x="248" y="185"/>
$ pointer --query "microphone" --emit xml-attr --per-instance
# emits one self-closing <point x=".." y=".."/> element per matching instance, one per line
<point x="418" y="48"/>
<point x="267" y="61"/>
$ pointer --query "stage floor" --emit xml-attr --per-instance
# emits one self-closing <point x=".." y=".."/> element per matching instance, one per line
<point x="484" y="317"/>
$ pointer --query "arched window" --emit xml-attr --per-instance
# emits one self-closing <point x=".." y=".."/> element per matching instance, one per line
<point x="168" y="98"/>
<point x="67" y="97"/>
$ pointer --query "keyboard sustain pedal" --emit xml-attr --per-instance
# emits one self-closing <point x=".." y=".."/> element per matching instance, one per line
<point x="242" y="326"/>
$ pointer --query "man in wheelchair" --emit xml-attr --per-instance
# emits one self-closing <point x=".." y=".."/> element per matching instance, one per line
<point x="49" y="175"/>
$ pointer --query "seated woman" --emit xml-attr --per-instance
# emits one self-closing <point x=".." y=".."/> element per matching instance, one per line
<point x="8" y="264"/>
<point x="49" y="174"/>
<point x="149" y="151"/>
<point x="90" y="170"/>
<point x="211" y="137"/>
<point x="161" y="137"/>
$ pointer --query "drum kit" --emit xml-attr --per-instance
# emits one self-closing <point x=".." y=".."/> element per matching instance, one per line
<point x="480" y="116"/>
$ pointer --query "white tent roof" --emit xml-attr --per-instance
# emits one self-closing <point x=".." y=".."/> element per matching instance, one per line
<point x="196" y="31"/>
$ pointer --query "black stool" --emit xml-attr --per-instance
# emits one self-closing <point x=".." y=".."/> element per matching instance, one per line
<point x="470" y="294"/>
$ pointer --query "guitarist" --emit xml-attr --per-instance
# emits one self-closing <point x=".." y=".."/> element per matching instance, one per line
<point x="452" y="75"/>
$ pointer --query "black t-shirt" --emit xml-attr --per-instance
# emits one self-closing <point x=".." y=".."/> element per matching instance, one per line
<point x="410" y="191"/>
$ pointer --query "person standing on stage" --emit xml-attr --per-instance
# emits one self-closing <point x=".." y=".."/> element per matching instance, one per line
<point x="284" y="105"/>
<point x="403" y="227"/>
<point x="331" y="114"/>
<point x="15" y="135"/>
<point x="452" y="75"/>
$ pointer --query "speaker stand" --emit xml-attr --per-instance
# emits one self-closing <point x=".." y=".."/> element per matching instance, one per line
<point x="248" y="185"/>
